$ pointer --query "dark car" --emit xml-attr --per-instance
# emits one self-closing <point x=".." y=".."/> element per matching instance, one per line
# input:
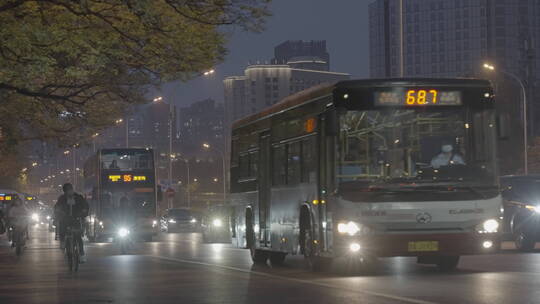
<point x="521" y="196"/>
<point x="216" y="226"/>
<point x="178" y="220"/>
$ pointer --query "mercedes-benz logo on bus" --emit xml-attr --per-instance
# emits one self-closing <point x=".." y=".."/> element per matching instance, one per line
<point x="423" y="218"/>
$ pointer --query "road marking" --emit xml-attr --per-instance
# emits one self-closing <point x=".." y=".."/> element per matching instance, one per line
<point x="263" y="274"/>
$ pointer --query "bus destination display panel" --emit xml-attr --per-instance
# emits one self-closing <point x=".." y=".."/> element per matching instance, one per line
<point x="418" y="97"/>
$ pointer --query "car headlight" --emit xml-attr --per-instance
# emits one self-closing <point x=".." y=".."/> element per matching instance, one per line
<point x="123" y="232"/>
<point x="48" y="217"/>
<point x="172" y="221"/>
<point x="217" y="223"/>
<point x="350" y="228"/>
<point x="193" y="220"/>
<point x="35" y="217"/>
<point x="488" y="226"/>
<point x="154" y="223"/>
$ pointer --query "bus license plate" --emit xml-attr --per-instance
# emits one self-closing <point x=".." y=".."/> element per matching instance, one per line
<point x="423" y="246"/>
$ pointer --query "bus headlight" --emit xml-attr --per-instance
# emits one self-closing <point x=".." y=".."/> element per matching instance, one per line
<point x="123" y="232"/>
<point x="350" y="228"/>
<point x="35" y="217"/>
<point x="217" y="223"/>
<point x="489" y="226"/>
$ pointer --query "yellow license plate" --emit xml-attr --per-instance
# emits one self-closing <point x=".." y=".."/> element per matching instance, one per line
<point x="423" y="246"/>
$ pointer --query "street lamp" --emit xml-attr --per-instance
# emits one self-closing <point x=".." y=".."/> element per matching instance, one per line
<point x="524" y="99"/>
<point x="208" y="147"/>
<point x="210" y="72"/>
<point x="94" y="140"/>
<point x="119" y="121"/>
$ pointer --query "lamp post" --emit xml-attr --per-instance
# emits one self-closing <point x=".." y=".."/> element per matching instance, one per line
<point x="524" y="100"/>
<point x="94" y="141"/>
<point x="170" y="154"/>
<point x="208" y="147"/>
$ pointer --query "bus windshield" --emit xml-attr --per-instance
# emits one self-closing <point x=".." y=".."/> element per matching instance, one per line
<point x="141" y="204"/>
<point x="416" y="147"/>
<point x="126" y="159"/>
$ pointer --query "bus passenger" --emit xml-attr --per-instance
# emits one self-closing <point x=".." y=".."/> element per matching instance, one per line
<point x="113" y="165"/>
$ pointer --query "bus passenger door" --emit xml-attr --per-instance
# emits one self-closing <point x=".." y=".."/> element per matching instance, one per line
<point x="264" y="189"/>
<point x="326" y="151"/>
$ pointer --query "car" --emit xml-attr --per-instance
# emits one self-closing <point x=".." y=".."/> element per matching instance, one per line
<point x="521" y="218"/>
<point x="216" y="226"/>
<point x="179" y="220"/>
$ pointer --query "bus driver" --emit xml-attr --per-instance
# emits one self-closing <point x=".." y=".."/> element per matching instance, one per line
<point x="447" y="157"/>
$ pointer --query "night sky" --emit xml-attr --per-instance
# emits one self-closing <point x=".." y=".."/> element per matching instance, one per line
<point x="342" y="23"/>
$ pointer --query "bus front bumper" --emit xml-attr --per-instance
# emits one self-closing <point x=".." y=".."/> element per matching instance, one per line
<point x="390" y="245"/>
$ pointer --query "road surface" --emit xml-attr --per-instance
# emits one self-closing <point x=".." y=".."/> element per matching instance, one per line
<point x="179" y="268"/>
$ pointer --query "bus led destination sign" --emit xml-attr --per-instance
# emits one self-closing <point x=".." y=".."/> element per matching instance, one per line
<point x="418" y="97"/>
<point x="126" y="178"/>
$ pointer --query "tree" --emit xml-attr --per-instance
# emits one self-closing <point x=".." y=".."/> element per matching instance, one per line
<point x="70" y="67"/>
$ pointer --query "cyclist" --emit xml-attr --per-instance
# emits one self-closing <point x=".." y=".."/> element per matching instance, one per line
<point x="71" y="209"/>
<point x="18" y="217"/>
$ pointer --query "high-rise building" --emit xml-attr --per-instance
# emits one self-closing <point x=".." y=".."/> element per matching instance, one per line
<point x="453" y="38"/>
<point x="303" y="54"/>
<point x="201" y="122"/>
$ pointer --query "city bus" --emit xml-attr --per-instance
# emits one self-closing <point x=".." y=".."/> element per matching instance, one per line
<point x="361" y="169"/>
<point x="112" y="175"/>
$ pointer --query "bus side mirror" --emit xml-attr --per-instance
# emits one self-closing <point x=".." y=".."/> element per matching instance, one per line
<point x="331" y="123"/>
<point x="503" y="126"/>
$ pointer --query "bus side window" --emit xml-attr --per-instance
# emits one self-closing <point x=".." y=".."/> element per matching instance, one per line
<point x="244" y="166"/>
<point x="254" y="164"/>
<point x="279" y="166"/>
<point x="308" y="160"/>
<point x="293" y="163"/>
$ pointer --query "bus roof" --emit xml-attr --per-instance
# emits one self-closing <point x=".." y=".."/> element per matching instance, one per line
<point x="324" y="89"/>
<point x="288" y="102"/>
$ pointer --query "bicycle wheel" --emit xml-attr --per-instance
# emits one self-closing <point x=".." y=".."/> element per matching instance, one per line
<point x="18" y="244"/>
<point x="69" y="253"/>
<point x="76" y="256"/>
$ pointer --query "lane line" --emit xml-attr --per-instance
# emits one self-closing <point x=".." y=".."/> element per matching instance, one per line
<point x="263" y="274"/>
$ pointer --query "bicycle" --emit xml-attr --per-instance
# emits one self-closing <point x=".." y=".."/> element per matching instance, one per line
<point x="72" y="247"/>
<point x="19" y="239"/>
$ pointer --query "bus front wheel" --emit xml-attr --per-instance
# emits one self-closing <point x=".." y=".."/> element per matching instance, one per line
<point x="524" y="241"/>
<point x="257" y="256"/>
<point x="277" y="258"/>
